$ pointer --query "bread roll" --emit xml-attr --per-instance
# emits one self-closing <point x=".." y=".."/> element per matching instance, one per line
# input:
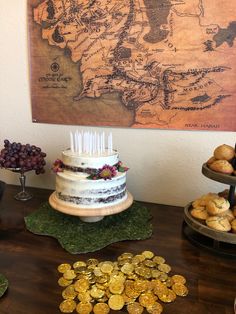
<point x="234" y="211"/>
<point x="217" y="206"/>
<point x="211" y="160"/>
<point x="199" y="213"/>
<point x="224" y="152"/>
<point x="233" y="225"/>
<point x="218" y="223"/>
<point x="222" y="166"/>
<point x="227" y="214"/>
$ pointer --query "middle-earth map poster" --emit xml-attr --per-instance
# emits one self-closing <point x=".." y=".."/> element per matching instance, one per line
<point x="166" y="64"/>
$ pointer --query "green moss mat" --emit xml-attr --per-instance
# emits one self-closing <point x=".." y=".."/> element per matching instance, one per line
<point x="3" y="285"/>
<point x="76" y="236"/>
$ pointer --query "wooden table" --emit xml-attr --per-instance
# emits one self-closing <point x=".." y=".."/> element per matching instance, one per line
<point x="30" y="261"/>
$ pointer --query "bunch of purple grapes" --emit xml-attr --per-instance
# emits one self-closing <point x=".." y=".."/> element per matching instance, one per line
<point x="26" y="157"/>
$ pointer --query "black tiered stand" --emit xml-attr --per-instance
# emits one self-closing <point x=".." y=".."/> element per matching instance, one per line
<point x="219" y="242"/>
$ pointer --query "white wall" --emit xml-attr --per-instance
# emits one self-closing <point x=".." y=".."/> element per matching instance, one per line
<point x="165" y="165"/>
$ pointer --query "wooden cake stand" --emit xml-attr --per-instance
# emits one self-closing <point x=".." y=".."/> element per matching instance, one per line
<point x="220" y="242"/>
<point x="89" y="214"/>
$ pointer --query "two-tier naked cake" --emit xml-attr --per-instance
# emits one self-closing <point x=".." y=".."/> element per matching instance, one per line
<point x="90" y="184"/>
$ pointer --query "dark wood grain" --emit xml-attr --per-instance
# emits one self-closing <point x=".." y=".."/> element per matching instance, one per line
<point x="30" y="262"/>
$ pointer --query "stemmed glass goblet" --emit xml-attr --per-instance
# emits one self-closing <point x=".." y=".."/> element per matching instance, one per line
<point x="23" y="195"/>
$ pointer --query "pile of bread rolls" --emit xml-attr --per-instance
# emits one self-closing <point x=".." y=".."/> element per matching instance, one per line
<point x="223" y="160"/>
<point x="214" y="210"/>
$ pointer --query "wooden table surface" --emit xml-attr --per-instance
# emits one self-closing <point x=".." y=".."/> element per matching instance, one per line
<point x="30" y="261"/>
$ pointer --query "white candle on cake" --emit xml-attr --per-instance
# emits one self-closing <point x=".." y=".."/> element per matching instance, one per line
<point x="71" y="142"/>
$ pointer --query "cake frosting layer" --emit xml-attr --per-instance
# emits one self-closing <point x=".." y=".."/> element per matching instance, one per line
<point x="90" y="181"/>
<point x="84" y="160"/>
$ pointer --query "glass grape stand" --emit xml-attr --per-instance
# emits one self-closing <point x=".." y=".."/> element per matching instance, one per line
<point x="219" y="242"/>
<point x="23" y="195"/>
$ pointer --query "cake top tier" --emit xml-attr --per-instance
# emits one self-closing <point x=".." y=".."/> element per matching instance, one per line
<point x="85" y="160"/>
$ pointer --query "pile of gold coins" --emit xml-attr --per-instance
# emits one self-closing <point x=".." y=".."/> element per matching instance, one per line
<point x="136" y="281"/>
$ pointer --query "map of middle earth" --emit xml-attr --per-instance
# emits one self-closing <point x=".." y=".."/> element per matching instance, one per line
<point x="167" y="64"/>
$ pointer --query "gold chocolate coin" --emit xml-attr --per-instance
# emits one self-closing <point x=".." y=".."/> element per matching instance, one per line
<point x="148" y="254"/>
<point x="101" y="308"/>
<point x="141" y="285"/>
<point x="81" y="285"/>
<point x="84" y="308"/>
<point x="159" y="260"/>
<point x="127" y="299"/>
<point x="96" y="293"/>
<point x="160" y="288"/>
<point x="179" y="279"/>
<point x="169" y="297"/>
<point x="97" y="271"/>
<point x="116" y="302"/>
<point x="135" y="308"/>
<point x="102" y="279"/>
<point x="63" y="267"/>
<point x="64" y="282"/>
<point x="92" y="261"/>
<point x="125" y="256"/>
<point x="79" y="264"/>
<point x="155" y="273"/>
<point x="69" y="274"/>
<point x="149" y="263"/>
<point x="156" y="308"/>
<point x="163" y="277"/>
<point x="165" y="268"/>
<point x="107" y="267"/>
<point x="138" y="257"/>
<point x="67" y="306"/>
<point x="180" y="289"/>
<point x="116" y="287"/>
<point x="84" y="296"/>
<point x="127" y="268"/>
<point x="147" y="299"/>
<point x="69" y="293"/>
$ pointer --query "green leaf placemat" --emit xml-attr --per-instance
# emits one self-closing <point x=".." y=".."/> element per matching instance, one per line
<point x="76" y="236"/>
<point x="3" y="285"/>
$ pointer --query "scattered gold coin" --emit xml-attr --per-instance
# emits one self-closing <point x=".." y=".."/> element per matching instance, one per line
<point x="179" y="279"/>
<point x="180" y="289"/>
<point x="79" y="264"/>
<point x="107" y="267"/>
<point x="116" y="302"/>
<point x="69" y="293"/>
<point x="64" y="282"/>
<point x="159" y="260"/>
<point x="63" y="267"/>
<point x="156" y="308"/>
<point x="165" y="268"/>
<point x="101" y="308"/>
<point x="82" y="285"/>
<point x="148" y="254"/>
<point x="69" y="274"/>
<point x="96" y="293"/>
<point x="67" y="306"/>
<point x="135" y="308"/>
<point x="147" y="299"/>
<point x="127" y="268"/>
<point x="169" y="297"/>
<point x="84" y="308"/>
<point x="84" y="296"/>
<point x="116" y="287"/>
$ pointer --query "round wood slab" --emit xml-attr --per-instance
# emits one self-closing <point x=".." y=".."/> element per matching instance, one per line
<point x="205" y="230"/>
<point x="75" y="210"/>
